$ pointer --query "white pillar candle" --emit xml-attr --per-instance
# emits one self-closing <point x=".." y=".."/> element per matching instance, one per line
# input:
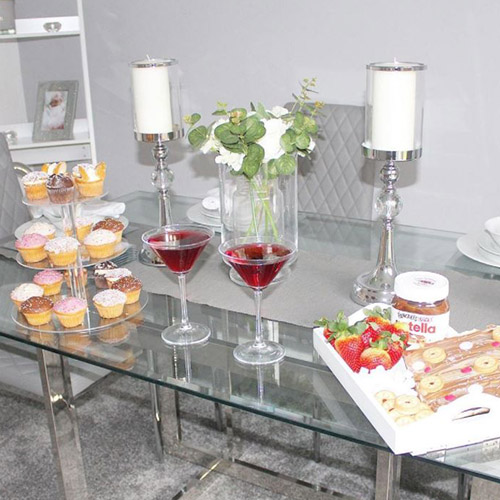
<point x="151" y="89"/>
<point x="393" y="103"/>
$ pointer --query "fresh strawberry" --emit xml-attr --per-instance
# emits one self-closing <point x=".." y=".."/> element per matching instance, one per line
<point x="350" y="346"/>
<point x="332" y="329"/>
<point x="326" y="324"/>
<point x="395" y="351"/>
<point x="377" y="320"/>
<point x="370" y="334"/>
<point x="375" y="356"/>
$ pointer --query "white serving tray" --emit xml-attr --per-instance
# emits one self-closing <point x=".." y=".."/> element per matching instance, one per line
<point x="447" y="428"/>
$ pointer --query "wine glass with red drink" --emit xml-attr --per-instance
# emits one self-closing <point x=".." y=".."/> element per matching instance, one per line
<point x="179" y="246"/>
<point x="258" y="263"/>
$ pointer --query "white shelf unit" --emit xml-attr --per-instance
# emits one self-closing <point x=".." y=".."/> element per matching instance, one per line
<point x="29" y="152"/>
<point x="82" y="146"/>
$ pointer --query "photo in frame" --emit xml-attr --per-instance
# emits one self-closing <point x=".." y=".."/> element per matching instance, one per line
<point x="55" y="111"/>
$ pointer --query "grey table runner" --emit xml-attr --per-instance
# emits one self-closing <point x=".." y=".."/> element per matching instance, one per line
<point x="318" y="286"/>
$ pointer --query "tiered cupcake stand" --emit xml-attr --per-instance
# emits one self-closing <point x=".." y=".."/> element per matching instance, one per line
<point x="77" y="288"/>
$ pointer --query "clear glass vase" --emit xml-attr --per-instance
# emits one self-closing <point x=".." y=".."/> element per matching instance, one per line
<point x="264" y="207"/>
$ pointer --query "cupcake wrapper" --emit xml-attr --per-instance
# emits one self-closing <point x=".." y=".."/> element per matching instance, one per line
<point x="109" y="312"/>
<point x="89" y="189"/>
<point x="71" y="320"/>
<point x="133" y="296"/>
<point x="33" y="254"/>
<point x="101" y="251"/>
<point x="37" y="319"/>
<point x="36" y="192"/>
<point x="63" y="258"/>
<point x="52" y="289"/>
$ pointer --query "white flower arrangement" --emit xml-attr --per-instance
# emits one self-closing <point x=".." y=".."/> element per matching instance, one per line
<point x="246" y="140"/>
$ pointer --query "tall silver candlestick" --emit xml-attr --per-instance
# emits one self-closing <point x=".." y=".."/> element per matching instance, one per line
<point x="393" y="133"/>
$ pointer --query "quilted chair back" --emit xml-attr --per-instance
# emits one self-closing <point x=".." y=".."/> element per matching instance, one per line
<point x="337" y="179"/>
<point x="12" y="210"/>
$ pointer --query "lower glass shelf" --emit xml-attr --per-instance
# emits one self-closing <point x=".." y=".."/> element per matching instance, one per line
<point x="92" y="321"/>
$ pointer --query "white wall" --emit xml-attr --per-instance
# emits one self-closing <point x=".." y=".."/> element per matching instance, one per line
<point x="12" y="108"/>
<point x="239" y="51"/>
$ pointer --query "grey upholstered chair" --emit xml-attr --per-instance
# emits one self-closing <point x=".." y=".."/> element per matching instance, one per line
<point x="337" y="180"/>
<point x="12" y="210"/>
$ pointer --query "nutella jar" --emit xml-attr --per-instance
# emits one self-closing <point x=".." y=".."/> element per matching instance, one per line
<point x="421" y="300"/>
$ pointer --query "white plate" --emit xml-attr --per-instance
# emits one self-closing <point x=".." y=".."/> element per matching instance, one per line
<point x="20" y="230"/>
<point x="194" y="214"/>
<point x="468" y="246"/>
<point x="486" y="243"/>
<point x="212" y="214"/>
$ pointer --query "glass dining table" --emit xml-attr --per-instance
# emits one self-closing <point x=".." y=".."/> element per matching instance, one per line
<point x="300" y="391"/>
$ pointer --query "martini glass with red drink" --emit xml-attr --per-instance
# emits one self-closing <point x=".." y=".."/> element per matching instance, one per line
<point x="179" y="246"/>
<point x="258" y="263"/>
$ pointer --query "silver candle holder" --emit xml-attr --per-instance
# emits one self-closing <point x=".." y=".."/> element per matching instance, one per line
<point x="378" y="285"/>
<point x="157" y="120"/>
<point x="393" y="133"/>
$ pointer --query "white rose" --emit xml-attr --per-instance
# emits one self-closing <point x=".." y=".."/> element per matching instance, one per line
<point x="275" y="128"/>
<point x="234" y="160"/>
<point x="279" y="111"/>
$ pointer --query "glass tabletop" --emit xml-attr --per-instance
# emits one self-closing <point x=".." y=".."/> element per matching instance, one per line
<point x="301" y="390"/>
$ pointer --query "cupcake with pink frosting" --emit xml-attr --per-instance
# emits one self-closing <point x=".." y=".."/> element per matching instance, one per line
<point x="32" y="247"/>
<point x="50" y="281"/>
<point x="70" y="311"/>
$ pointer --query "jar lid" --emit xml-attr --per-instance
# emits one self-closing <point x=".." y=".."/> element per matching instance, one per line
<point x="421" y="286"/>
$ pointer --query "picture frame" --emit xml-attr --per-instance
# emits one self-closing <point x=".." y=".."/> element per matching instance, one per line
<point x="55" y="111"/>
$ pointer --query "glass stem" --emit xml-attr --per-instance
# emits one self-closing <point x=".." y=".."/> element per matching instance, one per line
<point x="259" y="340"/>
<point x="184" y="310"/>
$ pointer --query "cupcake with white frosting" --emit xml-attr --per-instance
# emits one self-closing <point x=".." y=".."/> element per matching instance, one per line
<point x="34" y="185"/>
<point x="100" y="244"/>
<point x="43" y="228"/>
<point x="110" y="303"/>
<point x="24" y="292"/>
<point x="62" y="251"/>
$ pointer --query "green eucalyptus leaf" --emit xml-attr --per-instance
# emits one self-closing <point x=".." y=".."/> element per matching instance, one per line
<point x="272" y="171"/>
<point x="237" y="129"/>
<point x="287" y="141"/>
<point x="302" y="141"/>
<point x="261" y="111"/>
<point x="310" y="125"/>
<point x="198" y="136"/>
<point x="298" y="122"/>
<point x="225" y="135"/>
<point x="254" y="130"/>
<point x="235" y="148"/>
<point x="253" y="160"/>
<point x="285" y="164"/>
<point x="220" y="112"/>
<point x="236" y="115"/>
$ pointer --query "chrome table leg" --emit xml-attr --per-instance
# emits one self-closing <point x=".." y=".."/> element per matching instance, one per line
<point x="464" y="487"/>
<point x="63" y="425"/>
<point x="155" y="407"/>
<point x="388" y="476"/>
